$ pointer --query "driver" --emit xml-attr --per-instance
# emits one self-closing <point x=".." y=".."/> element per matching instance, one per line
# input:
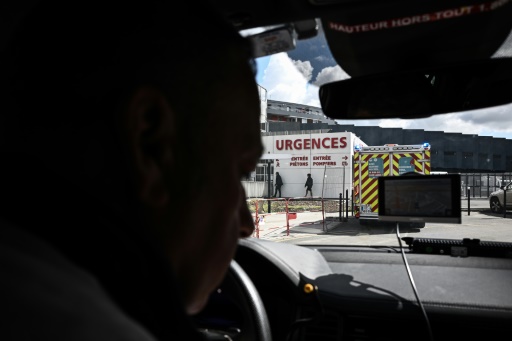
<point x="126" y="129"/>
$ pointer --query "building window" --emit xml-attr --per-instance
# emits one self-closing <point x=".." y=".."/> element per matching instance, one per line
<point x="261" y="173"/>
<point x="449" y="153"/>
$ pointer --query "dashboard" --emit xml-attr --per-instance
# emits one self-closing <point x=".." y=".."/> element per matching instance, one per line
<point x="365" y="293"/>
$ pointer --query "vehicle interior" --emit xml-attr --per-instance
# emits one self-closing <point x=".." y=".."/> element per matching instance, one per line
<point x="401" y="59"/>
<point x="405" y="59"/>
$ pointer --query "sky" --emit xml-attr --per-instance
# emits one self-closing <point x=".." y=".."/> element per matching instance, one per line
<point x="287" y="77"/>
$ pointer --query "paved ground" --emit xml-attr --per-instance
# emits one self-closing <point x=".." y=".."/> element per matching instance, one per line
<point x="475" y="204"/>
<point x="311" y="227"/>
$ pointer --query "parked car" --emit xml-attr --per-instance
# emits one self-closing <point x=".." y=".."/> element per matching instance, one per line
<point x="497" y="199"/>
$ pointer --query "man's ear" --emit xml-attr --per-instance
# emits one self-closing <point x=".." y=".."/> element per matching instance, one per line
<point x="149" y="128"/>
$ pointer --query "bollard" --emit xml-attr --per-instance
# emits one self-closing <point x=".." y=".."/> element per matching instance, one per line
<point x="346" y="205"/>
<point x="257" y="220"/>
<point x="269" y="189"/>
<point x="469" y="199"/>
<point x="352" y="201"/>
<point x="323" y="216"/>
<point x="505" y="202"/>
<point x="287" y="218"/>
<point x="341" y="206"/>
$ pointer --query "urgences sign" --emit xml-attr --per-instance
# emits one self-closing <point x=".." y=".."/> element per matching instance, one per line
<point x="311" y="143"/>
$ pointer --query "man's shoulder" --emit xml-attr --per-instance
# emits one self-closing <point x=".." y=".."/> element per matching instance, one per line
<point x="41" y="288"/>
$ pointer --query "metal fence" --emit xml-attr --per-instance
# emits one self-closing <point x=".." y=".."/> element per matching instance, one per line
<point x="480" y="185"/>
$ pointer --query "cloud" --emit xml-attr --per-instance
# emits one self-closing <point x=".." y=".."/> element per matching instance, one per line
<point x="284" y="82"/>
<point x="289" y="81"/>
<point x="304" y="68"/>
<point x="498" y="118"/>
<point x="450" y="123"/>
<point x="323" y="59"/>
<point x="489" y="122"/>
<point x="330" y="74"/>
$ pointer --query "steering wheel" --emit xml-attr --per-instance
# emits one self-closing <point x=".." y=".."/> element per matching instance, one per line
<point x="235" y="311"/>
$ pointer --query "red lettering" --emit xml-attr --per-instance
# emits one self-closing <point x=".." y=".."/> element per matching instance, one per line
<point x="415" y="19"/>
<point x="323" y="142"/>
<point x="297" y="144"/>
<point x="279" y="146"/>
<point x="316" y="143"/>
<point x="307" y="143"/>
<point x="343" y="142"/>
<point x="406" y="21"/>
<point x="465" y="10"/>
<point x="288" y="145"/>
<point x="334" y="142"/>
<point x="446" y="14"/>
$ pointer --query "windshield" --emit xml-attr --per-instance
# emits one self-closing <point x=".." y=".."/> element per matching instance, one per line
<point x="345" y="158"/>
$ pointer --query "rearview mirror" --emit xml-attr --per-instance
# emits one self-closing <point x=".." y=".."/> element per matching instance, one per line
<point x="422" y="93"/>
<point x="280" y="39"/>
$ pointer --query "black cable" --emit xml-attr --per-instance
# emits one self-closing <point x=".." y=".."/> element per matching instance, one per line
<point x="431" y="337"/>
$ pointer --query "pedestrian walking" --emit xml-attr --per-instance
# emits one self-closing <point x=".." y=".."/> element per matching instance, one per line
<point x="309" y="185"/>
<point x="279" y="183"/>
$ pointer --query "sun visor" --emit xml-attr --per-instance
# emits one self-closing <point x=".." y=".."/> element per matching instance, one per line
<point x="418" y="34"/>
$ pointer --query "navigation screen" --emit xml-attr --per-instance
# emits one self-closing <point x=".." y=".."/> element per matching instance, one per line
<point x="422" y="198"/>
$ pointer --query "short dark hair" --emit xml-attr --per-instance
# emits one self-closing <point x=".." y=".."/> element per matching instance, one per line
<point x="69" y="65"/>
<point x="68" y="52"/>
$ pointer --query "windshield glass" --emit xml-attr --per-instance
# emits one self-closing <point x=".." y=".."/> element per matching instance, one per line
<point x="345" y="158"/>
